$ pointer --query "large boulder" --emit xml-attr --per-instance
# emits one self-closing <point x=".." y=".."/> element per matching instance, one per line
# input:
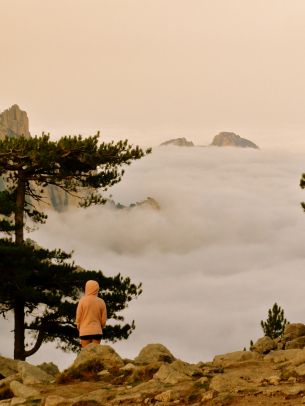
<point x="284" y="355"/>
<point x="31" y="375"/>
<point x="154" y="353"/>
<point x="264" y="345"/>
<point x="232" y="358"/>
<point x="296" y="343"/>
<point x="176" y="372"/>
<point x="23" y="391"/>
<point x="8" y="367"/>
<point x="103" y="354"/>
<point x="294" y="330"/>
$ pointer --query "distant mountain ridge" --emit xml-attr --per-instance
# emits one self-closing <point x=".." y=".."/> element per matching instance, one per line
<point x="223" y="139"/>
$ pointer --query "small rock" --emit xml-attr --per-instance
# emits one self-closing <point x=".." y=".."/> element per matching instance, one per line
<point x="208" y="396"/>
<point x="103" y="373"/>
<point x="292" y="380"/>
<point x="128" y="367"/>
<point x="274" y="380"/>
<point x="203" y="380"/>
<point x="165" y="396"/>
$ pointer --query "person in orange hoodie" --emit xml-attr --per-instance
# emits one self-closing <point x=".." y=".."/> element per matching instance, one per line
<point x="91" y="315"/>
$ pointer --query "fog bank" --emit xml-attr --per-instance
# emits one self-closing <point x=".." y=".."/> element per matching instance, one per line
<point x="226" y="244"/>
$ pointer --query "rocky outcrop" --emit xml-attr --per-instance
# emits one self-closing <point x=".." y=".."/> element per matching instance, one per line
<point x="14" y="122"/>
<point x="229" y="139"/>
<point x="178" y="142"/>
<point x="154" y="353"/>
<point x="99" y="376"/>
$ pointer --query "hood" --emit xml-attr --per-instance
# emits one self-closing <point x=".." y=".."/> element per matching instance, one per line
<point x="91" y="288"/>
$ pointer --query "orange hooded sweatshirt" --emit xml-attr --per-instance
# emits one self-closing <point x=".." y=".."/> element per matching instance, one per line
<point x="91" y="313"/>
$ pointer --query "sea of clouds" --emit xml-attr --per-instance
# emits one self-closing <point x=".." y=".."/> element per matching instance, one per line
<point x="227" y="242"/>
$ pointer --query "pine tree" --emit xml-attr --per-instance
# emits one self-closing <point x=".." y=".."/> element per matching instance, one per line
<point x="27" y="168"/>
<point x="275" y="324"/>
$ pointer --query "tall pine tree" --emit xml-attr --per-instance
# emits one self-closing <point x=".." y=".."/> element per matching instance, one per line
<point x="36" y="284"/>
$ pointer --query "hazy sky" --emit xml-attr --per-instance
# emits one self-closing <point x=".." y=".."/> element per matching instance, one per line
<point x="154" y="69"/>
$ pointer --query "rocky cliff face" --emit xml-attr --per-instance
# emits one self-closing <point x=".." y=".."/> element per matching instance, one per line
<point x="228" y="139"/>
<point x="14" y="122"/>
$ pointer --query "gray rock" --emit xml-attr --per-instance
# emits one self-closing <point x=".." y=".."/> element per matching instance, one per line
<point x="22" y="391"/>
<point x="154" y="353"/>
<point x="229" y="139"/>
<point x="101" y="353"/>
<point x="294" y="330"/>
<point x="264" y="345"/>
<point x="32" y="375"/>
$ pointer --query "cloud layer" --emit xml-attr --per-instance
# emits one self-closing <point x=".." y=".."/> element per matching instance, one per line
<point x="226" y="244"/>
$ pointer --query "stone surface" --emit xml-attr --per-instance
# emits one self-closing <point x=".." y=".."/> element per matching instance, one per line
<point x="23" y="391"/>
<point x="282" y="355"/>
<point x="294" y="330"/>
<point x="296" y="343"/>
<point x="235" y="357"/>
<point x="55" y="400"/>
<point x="30" y="374"/>
<point x="154" y="353"/>
<point x="8" y="366"/>
<point x="176" y="372"/>
<point x="102" y="353"/>
<point x="264" y="345"/>
<point x="178" y="142"/>
<point x="14" y="122"/>
<point x="6" y="381"/>
<point x="229" y="139"/>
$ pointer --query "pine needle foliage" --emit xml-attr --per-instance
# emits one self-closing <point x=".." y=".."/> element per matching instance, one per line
<point x="42" y="287"/>
<point x="275" y="324"/>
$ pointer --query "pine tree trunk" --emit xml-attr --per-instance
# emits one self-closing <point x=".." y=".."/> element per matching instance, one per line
<point x="19" y="211"/>
<point x="19" y="352"/>
<point x="19" y="334"/>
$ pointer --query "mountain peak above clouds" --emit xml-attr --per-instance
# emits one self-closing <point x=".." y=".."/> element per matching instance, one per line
<point x="178" y="142"/>
<point x="229" y="139"/>
<point x="14" y="122"/>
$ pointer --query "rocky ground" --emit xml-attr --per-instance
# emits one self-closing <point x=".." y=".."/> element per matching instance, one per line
<point x="273" y="373"/>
